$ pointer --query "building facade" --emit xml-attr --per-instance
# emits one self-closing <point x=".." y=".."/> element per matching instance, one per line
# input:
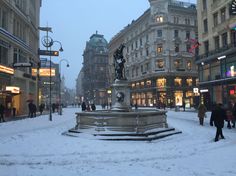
<point x="159" y="60"/>
<point x="217" y="53"/>
<point x="44" y="83"/>
<point x="19" y="43"/>
<point x="95" y="70"/>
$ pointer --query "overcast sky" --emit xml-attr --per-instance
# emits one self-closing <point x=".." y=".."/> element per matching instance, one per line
<point x="74" y="21"/>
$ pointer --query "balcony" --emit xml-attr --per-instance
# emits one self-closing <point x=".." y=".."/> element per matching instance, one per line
<point x="213" y="53"/>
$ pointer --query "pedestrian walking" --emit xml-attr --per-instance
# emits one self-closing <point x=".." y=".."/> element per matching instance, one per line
<point x="234" y="115"/>
<point x="218" y="116"/>
<point x="2" y="110"/>
<point x="229" y="114"/>
<point x="41" y="108"/>
<point x="93" y="107"/>
<point x="201" y="113"/>
<point x="83" y="106"/>
<point x="31" y="109"/>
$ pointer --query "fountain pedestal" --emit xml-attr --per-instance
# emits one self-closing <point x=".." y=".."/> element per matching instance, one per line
<point x="121" y="96"/>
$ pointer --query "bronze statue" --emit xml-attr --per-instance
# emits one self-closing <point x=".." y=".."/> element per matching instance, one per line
<point x="119" y="62"/>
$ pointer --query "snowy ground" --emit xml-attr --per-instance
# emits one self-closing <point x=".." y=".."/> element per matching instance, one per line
<point x="35" y="147"/>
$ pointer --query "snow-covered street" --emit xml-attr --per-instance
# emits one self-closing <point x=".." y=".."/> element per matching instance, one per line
<point x="36" y="147"/>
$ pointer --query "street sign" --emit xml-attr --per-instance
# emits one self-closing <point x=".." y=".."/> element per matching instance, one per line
<point x="26" y="64"/>
<point x="48" y="53"/>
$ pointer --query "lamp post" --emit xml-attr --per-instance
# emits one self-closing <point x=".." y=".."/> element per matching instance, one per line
<point x="48" y="43"/>
<point x="60" y="104"/>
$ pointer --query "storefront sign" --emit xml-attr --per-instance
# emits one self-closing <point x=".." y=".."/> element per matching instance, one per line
<point x="12" y="89"/>
<point x="6" y="69"/>
<point x="44" y="72"/>
<point x="203" y="90"/>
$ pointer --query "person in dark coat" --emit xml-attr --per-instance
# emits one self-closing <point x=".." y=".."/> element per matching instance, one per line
<point x="2" y="110"/>
<point x="234" y="115"/>
<point x="201" y="113"/>
<point x="34" y="110"/>
<point x="31" y="109"/>
<point x="218" y="116"/>
<point x="83" y="106"/>
<point x="41" y="108"/>
<point x="93" y="107"/>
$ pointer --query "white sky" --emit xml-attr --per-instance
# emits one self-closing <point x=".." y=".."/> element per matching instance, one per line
<point x="35" y="146"/>
<point x="74" y="21"/>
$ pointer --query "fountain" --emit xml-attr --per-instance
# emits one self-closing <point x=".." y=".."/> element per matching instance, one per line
<point x="121" y="122"/>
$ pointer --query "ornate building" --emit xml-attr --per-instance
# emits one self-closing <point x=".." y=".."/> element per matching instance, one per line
<point x="159" y="54"/>
<point x="19" y="43"/>
<point x="95" y="70"/>
<point x="216" y="60"/>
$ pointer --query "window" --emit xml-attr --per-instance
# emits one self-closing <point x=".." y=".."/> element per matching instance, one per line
<point x="136" y="44"/>
<point x="187" y="21"/>
<point x="177" y="48"/>
<point x="215" y="19"/>
<point x="176" y="20"/>
<point x="159" y="48"/>
<point x="189" y="81"/>
<point x="178" y="63"/>
<point x="224" y="39"/>
<point x="141" y="42"/>
<point x="178" y="82"/>
<point x="188" y="47"/>
<point x="176" y="33"/>
<point x="161" y="82"/>
<point x="189" y="65"/>
<point x="205" y="25"/>
<point x="187" y="34"/>
<point x="217" y="42"/>
<point x="160" y="63"/>
<point x="159" y="19"/>
<point x="222" y="15"/>
<point x="147" y="51"/>
<point x="159" y="33"/>
<point x="204" y="4"/>
<point x="206" y="46"/>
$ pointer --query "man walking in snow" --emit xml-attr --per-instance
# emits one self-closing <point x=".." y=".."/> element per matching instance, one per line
<point x="218" y="116"/>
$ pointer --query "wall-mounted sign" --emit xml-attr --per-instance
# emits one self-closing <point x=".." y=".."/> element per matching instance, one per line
<point x="44" y="72"/>
<point x="195" y="90"/>
<point x="12" y="89"/>
<point x="27" y="64"/>
<point x="6" y="69"/>
<point x="203" y="90"/>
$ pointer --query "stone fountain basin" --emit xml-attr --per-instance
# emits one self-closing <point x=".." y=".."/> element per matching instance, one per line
<point x="138" y="121"/>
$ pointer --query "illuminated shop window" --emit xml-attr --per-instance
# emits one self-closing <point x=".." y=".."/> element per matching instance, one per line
<point x="142" y="83"/>
<point x="161" y="82"/>
<point x="178" y="82"/>
<point x="148" y="82"/>
<point x="189" y="81"/>
<point x="133" y="85"/>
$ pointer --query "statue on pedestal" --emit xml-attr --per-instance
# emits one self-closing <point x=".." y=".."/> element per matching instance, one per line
<point x="119" y="62"/>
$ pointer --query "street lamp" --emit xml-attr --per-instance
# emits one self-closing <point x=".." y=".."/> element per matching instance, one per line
<point x="48" y="43"/>
<point x="60" y="104"/>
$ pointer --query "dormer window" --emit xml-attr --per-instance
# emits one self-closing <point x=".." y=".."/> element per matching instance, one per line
<point x="159" y="19"/>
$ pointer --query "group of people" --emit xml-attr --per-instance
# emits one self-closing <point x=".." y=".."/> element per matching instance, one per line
<point x="88" y="107"/>
<point x="218" y="116"/>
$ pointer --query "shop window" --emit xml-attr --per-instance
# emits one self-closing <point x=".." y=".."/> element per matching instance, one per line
<point x="161" y="82"/>
<point x="149" y="83"/>
<point x="178" y="82"/>
<point x="189" y="81"/>
<point x="133" y="85"/>
<point x="142" y="84"/>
